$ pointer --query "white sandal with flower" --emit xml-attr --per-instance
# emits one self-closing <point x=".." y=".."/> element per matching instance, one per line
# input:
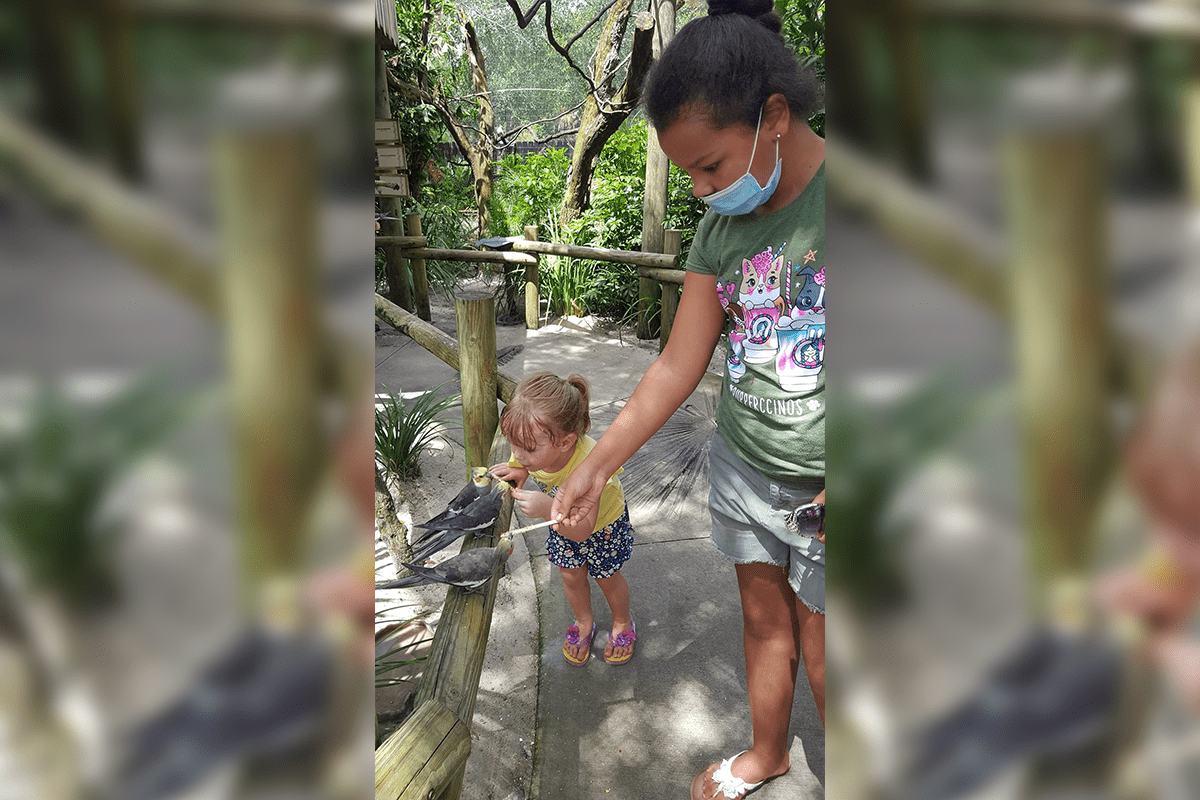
<point x="728" y="785"/>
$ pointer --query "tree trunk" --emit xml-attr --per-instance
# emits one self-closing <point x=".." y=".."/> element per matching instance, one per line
<point x="484" y="152"/>
<point x="391" y="529"/>
<point x="602" y="115"/>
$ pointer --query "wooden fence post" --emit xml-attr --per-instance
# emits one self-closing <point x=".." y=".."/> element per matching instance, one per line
<point x="397" y="276"/>
<point x="654" y="199"/>
<point x="670" y="291"/>
<point x="1055" y="198"/>
<point x="116" y="40"/>
<point x="420" y="280"/>
<point x="475" y="312"/>
<point x="268" y="216"/>
<point x="909" y="91"/>
<point x="533" y="300"/>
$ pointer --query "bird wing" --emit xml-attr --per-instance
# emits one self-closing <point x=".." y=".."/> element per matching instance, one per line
<point x="467" y="495"/>
<point x="480" y="514"/>
<point x="435" y="543"/>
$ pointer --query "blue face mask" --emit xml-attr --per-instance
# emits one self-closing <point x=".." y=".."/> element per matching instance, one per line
<point x="744" y="195"/>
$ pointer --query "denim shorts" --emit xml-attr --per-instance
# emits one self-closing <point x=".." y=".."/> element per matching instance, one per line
<point x="603" y="553"/>
<point x="748" y="511"/>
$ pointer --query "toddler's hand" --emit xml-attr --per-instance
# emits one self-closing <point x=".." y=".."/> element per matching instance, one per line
<point x="532" y="503"/>
<point x="513" y="476"/>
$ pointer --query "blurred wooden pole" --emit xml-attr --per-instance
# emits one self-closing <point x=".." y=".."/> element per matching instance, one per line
<point x="420" y="280"/>
<point x="268" y="219"/>
<point x="117" y="49"/>
<point x="654" y="198"/>
<point x="1056" y="199"/>
<point x="910" y="95"/>
<point x="533" y="299"/>
<point x="397" y="276"/>
<point x="670" y="291"/>
<point x="475" y="312"/>
<point x="56" y="70"/>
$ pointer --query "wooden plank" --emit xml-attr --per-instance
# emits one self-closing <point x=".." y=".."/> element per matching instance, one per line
<point x="475" y="256"/>
<point x="387" y="130"/>
<point x="392" y="186"/>
<point x="596" y="253"/>
<point x="423" y="755"/>
<point x="390" y="157"/>
<point x="436" y="342"/>
<point x="451" y="674"/>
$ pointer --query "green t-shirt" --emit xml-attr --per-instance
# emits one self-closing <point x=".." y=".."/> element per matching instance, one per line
<point x="771" y="282"/>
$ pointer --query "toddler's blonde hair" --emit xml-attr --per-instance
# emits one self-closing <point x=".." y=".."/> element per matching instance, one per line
<point x="544" y="401"/>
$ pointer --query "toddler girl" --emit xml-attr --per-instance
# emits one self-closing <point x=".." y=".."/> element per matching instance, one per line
<point x="547" y="423"/>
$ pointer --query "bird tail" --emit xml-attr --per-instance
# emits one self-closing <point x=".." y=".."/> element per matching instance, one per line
<point x="415" y="579"/>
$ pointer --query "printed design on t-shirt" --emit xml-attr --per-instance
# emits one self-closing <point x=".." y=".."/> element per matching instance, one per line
<point x="778" y="317"/>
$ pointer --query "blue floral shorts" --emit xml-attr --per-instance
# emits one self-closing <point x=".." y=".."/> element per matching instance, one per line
<point x="603" y="553"/>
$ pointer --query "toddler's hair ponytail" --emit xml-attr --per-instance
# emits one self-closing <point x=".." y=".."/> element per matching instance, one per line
<point x="544" y="401"/>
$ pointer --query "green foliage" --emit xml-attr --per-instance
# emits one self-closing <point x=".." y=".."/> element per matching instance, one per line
<point x="403" y="431"/>
<point x="804" y="30"/>
<point x="56" y="472"/>
<point x="872" y="452"/>
<point x="395" y="659"/>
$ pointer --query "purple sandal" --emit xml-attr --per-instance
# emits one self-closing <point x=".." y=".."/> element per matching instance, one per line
<point x="575" y="640"/>
<point x="625" y="638"/>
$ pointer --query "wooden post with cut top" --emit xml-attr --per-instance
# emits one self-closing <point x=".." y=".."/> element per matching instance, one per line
<point x="475" y="312"/>
<point x="533" y="308"/>
<point x="419" y="278"/>
<point x="670" y="291"/>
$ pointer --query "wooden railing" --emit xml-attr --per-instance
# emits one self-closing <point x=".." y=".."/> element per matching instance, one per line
<point x="659" y="269"/>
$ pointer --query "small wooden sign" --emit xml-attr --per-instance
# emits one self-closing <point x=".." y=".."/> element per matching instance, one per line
<point x="387" y="130"/>
<point x="392" y="186"/>
<point x="390" y="159"/>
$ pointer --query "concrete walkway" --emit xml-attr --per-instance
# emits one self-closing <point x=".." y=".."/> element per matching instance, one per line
<point x="637" y="731"/>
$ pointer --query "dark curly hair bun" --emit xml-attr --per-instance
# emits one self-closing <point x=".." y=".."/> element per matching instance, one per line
<point x="760" y="10"/>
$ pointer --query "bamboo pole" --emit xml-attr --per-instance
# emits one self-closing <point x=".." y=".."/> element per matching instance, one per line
<point x="533" y="300"/>
<point x="476" y="256"/>
<point x="417" y="265"/>
<point x="397" y="275"/>
<point x="351" y="20"/>
<point x="1056" y="210"/>
<point x="662" y="275"/>
<point x="595" y="253"/>
<point x="268" y="217"/>
<point x="670" y="291"/>
<point x="424" y="756"/>
<point x="436" y="342"/>
<point x="475" y="312"/>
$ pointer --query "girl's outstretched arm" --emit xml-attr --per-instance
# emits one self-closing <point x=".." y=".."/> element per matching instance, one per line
<point x="671" y="378"/>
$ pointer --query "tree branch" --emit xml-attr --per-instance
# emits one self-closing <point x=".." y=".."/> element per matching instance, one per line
<point x="508" y="137"/>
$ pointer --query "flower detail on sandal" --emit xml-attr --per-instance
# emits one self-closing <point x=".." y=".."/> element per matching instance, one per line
<point x="575" y="640"/>
<point x="729" y="784"/>
<point x="625" y="638"/>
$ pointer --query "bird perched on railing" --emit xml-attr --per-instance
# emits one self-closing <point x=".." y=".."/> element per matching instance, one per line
<point x="1051" y="700"/>
<point x="470" y="570"/>
<point x="475" y="508"/>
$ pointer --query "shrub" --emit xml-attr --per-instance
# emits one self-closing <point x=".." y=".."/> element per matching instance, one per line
<point x="403" y="431"/>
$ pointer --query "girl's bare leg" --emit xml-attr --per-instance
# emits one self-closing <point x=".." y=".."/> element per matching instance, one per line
<point x="616" y="592"/>
<point x="579" y="595"/>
